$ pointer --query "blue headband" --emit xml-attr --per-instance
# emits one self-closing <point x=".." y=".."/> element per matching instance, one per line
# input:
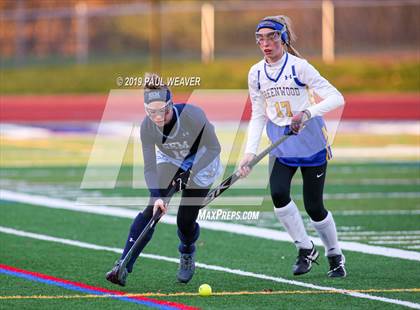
<point x="151" y="95"/>
<point x="272" y="24"/>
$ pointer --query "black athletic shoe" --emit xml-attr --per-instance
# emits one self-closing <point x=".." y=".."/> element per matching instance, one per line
<point x="337" y="269"/>
<point x="304" y="260"/>
<point x="186" y="268"/>
<point x="112" y="275"/>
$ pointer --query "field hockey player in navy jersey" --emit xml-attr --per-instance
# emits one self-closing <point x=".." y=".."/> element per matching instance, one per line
<point x="181" y="153"/>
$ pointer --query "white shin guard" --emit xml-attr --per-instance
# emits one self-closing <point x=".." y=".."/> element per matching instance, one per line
<point x="328" y="233"/>
<point x="292" y="221"/>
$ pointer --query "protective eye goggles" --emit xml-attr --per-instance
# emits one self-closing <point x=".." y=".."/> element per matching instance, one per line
<point x="161" y="95"/>
<point x="272" y="36"/>
<point x="161" y="112"/>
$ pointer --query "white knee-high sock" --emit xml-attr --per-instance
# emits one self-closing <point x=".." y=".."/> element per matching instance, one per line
<point x="292" y="221"/>
<point x="328" y="233"/>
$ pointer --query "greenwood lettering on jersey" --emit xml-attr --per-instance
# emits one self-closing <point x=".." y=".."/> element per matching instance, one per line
<point x="280" y="91"/>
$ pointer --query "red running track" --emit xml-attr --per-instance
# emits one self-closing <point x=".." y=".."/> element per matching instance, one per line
<point x="35" y="108"/>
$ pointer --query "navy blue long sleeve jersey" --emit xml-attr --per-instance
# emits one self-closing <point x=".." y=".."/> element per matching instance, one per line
<point x="186" y="134"/>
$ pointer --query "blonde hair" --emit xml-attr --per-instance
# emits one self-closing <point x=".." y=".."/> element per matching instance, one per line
<point x="290" y="33"/>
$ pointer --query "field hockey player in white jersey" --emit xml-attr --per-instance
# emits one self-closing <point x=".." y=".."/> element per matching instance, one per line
<point x="280" y="88"/>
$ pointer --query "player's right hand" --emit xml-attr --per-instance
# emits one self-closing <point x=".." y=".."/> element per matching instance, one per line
<point x="298" y="121"/>
<point x="160" y="204"/>
<point x="244" y="169"/>
<point x="182" y="180"/>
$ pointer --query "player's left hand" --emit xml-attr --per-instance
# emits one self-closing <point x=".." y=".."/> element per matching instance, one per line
<point x="298" y="121"/>
<point x="160" y="204"/>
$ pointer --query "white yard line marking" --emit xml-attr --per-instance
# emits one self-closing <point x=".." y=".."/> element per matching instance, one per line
<point x="252" y="231"/>
<point x="376" y="212"/>
<point x="141" y="201"/>
<point x="415" y="247"/>
<point x="372" y="195"/>
<point x="387" y="232"/>
<point x="386" y="181"/>
<point x="383" y="237"/>
<point x="254" y="182"/>
<point x="395" y="242"/>
<point x="86" y="245"/>
<point x="252" y="201"/>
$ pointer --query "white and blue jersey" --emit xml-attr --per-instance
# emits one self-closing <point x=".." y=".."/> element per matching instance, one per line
<point x="188" y="141"/>
<point x="280" y="90"/>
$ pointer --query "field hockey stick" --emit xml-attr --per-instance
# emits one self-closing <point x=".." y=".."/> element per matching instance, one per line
<point x="228" y="182"/>
<point x="150" y="225"/>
